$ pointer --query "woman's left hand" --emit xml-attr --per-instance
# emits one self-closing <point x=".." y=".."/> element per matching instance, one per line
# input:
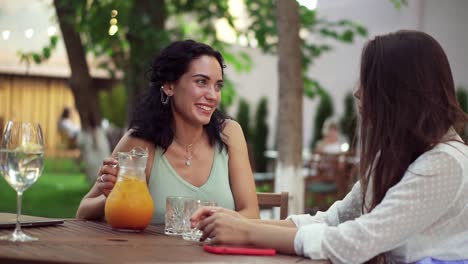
<point x="224" y="228"/>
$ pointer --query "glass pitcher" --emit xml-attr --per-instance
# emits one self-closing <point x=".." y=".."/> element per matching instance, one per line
<point x="129" y="206"/>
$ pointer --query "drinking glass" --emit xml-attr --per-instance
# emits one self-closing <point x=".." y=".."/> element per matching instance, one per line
<point x="190" y="206"/>
<point x="174" y="215"/>
<point x="21" y="163"/>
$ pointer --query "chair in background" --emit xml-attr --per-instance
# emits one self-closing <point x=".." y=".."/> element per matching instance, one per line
<point x="330" y="179"/>
<point x="264" y="181"/>
<point x="270" y="200"/>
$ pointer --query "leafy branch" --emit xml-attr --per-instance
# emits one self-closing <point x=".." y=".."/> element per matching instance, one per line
<point x="263" y="28"/>
<point x="40" y="56"/>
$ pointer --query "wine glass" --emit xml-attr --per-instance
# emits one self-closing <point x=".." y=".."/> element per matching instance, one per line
<point x="21" y="163"/>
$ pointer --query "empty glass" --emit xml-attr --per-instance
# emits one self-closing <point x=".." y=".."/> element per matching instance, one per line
<point x="190" y="206"/>
<point x="174" y="215"/>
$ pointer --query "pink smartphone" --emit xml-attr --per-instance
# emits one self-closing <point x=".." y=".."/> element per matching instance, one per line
<point x="239" y="250"/>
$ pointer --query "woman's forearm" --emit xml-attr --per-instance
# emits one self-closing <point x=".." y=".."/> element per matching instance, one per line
<point x="280" y="238"/>
<point x="250" y="213"/>
<point x="91" y="208"/>
<point x="283" y="223"/>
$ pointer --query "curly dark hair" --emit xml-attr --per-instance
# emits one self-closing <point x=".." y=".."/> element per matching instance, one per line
<point x="151" y="120"/>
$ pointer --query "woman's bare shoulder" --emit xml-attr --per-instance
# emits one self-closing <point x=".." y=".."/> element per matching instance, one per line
<point x="231" y="127"/>
<point x="232" y="132"/>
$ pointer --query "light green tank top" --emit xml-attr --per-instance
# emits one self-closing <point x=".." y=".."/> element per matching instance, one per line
<point x="164" y="181"/>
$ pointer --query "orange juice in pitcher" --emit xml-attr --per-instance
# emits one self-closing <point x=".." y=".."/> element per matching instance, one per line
<point x="129" y="206"/>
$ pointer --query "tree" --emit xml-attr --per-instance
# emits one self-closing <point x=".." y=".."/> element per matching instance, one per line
<point x="93" y="142"/>
<point x="243" y="117"/>
<point x="149" y="18"/>
<point x="324" y="111"/>
<point x="279" y="33"/>
<point x="348" y="122"/>
<point x="289" y="165"/>
<point x="462" y="97"/>
<point x="260" y="135"/>
<point x="263" y="29"/>
<point x="113" y="104"/>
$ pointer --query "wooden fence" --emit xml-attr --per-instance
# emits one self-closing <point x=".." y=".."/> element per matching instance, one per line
<point x="41" y="100"/>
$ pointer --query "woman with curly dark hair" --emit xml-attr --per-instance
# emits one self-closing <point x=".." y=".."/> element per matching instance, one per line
<point x="194" y="151"/>
<point x="411" y="202"/>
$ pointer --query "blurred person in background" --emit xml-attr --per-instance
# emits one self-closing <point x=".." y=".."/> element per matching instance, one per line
<point x="332" y="142"/>
<point x="67" y="127"/>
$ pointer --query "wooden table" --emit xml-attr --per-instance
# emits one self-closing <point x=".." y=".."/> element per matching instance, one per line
<point x="79" y="241"/>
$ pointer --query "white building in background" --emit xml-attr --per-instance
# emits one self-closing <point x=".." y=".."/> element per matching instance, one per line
<point x="25" y="25"/>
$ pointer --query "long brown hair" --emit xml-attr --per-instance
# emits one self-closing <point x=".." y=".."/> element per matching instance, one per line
<point x="408" y="105"/>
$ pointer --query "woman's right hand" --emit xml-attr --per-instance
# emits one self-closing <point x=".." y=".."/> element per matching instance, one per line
<point x="206" y="211"/>
<point x="107" y="176"/>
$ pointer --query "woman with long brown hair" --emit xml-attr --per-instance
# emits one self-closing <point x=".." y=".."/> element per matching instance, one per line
<point x="411" y="202"/>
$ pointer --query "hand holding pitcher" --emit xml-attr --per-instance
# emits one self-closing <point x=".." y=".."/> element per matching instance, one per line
<point x="107" y="175"/>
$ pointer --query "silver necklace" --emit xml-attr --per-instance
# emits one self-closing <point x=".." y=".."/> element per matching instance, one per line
<point x="188" y="151"/>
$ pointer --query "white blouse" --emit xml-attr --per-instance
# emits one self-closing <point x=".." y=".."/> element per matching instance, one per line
<point x="423" y="215"/>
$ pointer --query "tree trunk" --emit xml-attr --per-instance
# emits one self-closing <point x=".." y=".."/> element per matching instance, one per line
<point x="289" y="129"/>
<point x="145" y="15"/>
<point x="91" y="141"/>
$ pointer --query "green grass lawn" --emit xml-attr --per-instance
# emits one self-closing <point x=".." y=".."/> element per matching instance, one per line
<point x="57" y="193"/>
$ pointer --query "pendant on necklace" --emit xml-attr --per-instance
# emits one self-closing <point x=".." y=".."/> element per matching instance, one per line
<point x="188" y="163"/>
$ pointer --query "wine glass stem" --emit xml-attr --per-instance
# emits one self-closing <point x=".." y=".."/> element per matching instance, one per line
<point x="18" y="211"/>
